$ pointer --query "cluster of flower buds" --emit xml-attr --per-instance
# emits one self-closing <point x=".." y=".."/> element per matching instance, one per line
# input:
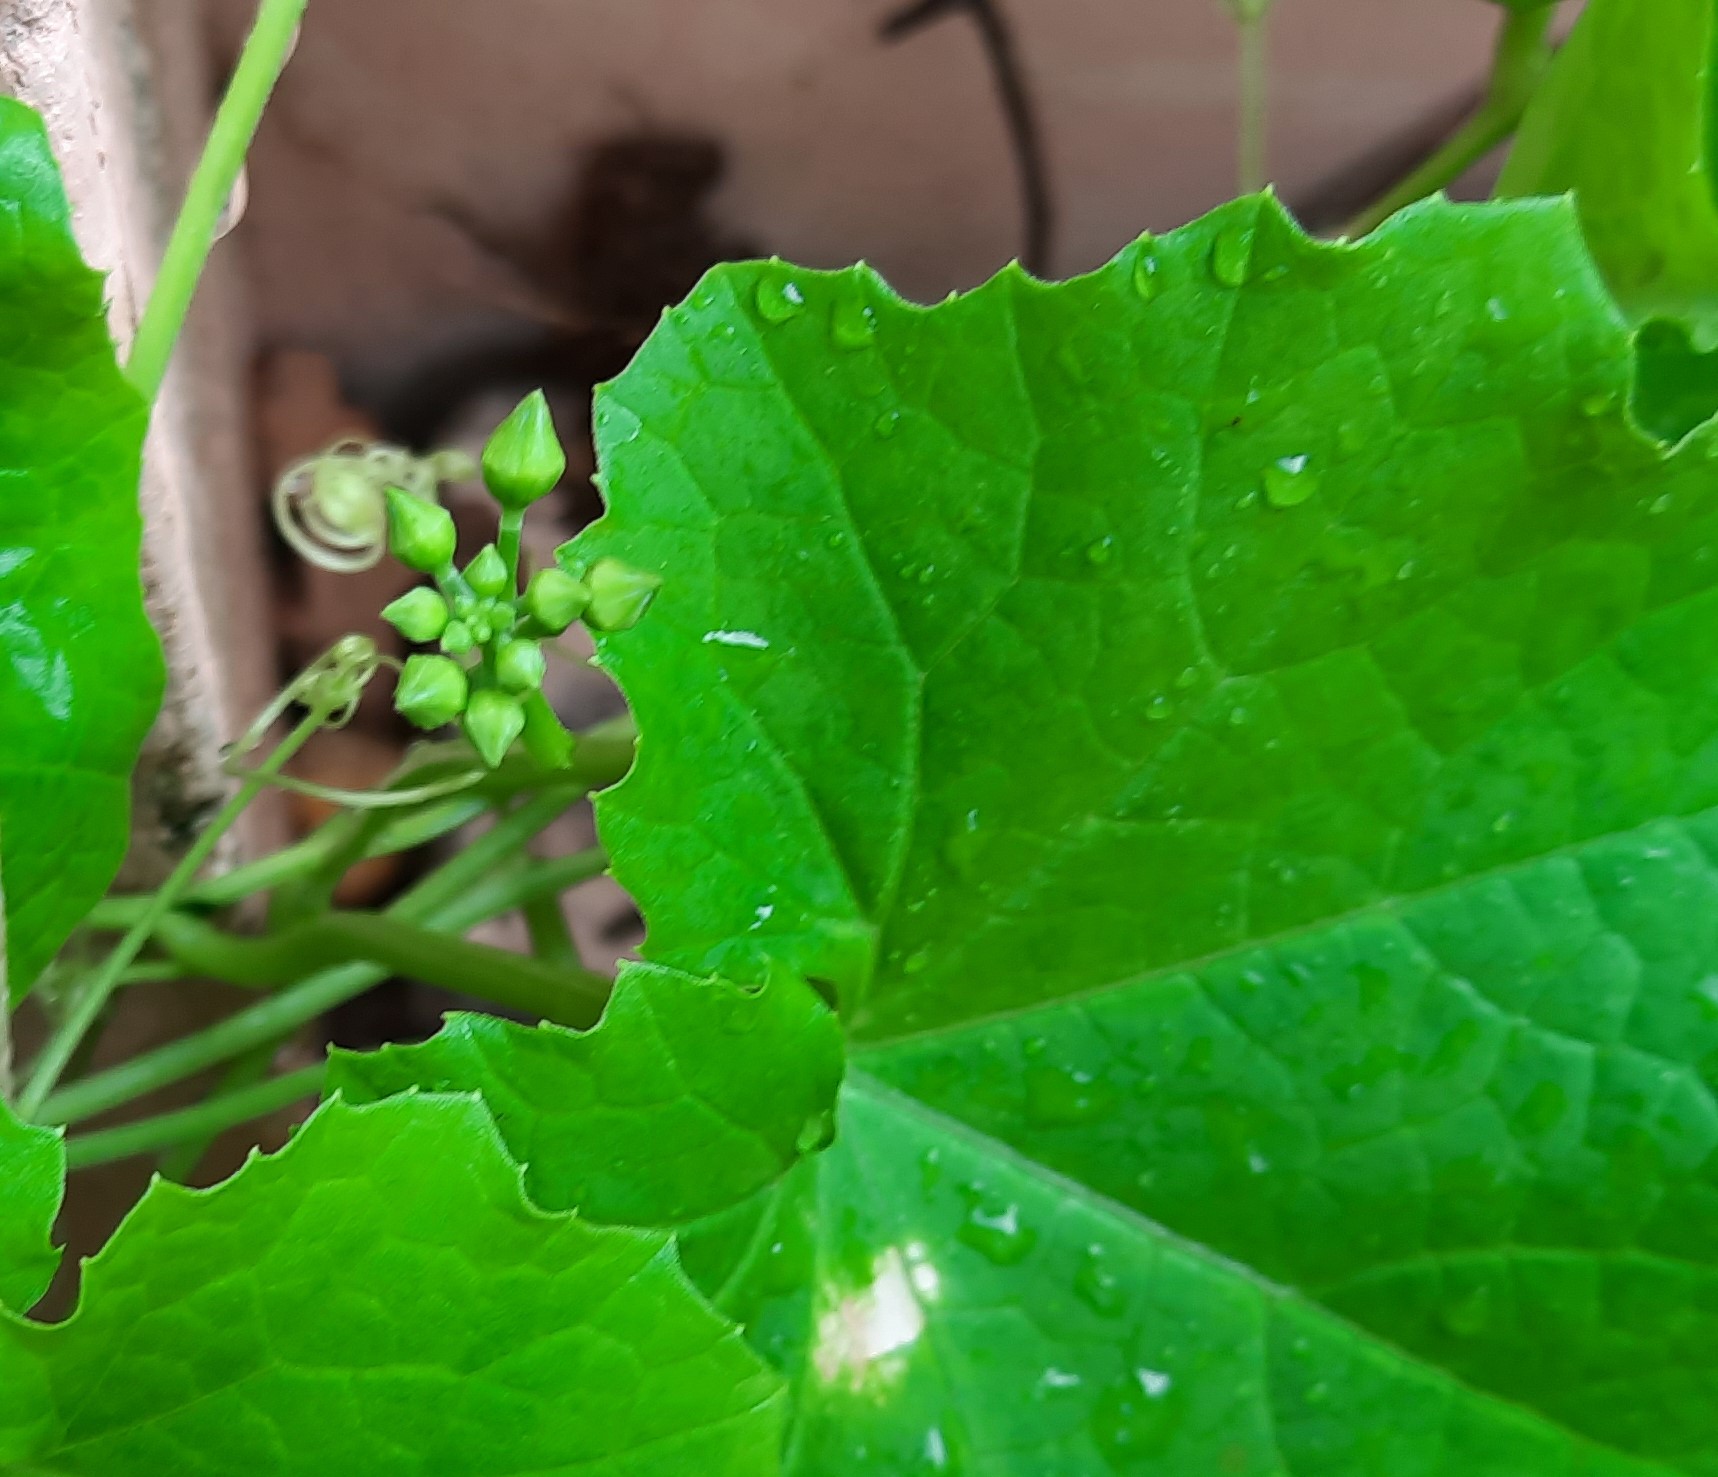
<point x="488" y="675"/>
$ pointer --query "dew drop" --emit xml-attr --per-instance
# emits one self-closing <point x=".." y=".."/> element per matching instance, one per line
<point x="1100" y="551"/>
<point x="1188" y="679"/>
<point x="1496" y="307"/>
<point x="930" y="1169"/>
<point x="1060" y="1097"/>
<point x="916" y="962"/>
<point x="1289" y="482"/>
<point x="1096" y="1284"/>
<point x="1661" y="504"/>
<point x="778" y="299"/>
<point x="1231" y="255"/>
<point x="1137" y="1418"/>
<point x="994" y="1230"/>
<point x="853" y="323"/>
<point x="1159" y="708"/>
<point x="1145" y="278"/>
<point x="837" y="540"/>
<point x="887" y="423"/>
<point x="1596" y="405"/>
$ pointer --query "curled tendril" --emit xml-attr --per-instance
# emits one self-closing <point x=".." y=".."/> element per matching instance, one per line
<point x="332" y="507"/>
<point x="332" y="686"/>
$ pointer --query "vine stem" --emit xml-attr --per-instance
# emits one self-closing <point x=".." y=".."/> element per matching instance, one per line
<point x="98" y="990"/>
<point x="1519" y="62"/>
<point x="1253" y="60"/>
<point x="471" y="887"/>
<point x="260" y="64"/>
<point x="196" y="1123"/>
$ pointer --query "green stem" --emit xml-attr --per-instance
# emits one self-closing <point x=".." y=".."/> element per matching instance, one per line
<point x="1253" y="84"/>
<point x="507" y="544"/>
<point x="202" y="1121"/>
<point x="458" y="896"/>
<point x="180" y="1162"/>
<point x="92" y="999"/>
<point x="1519" y="62"/>
<point x="211" y="186"/>
<point x="515" y="982"/>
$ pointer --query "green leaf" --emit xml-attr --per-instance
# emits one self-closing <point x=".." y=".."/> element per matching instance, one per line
<point x="1237" y="729"/>
<point x="1646" y="188"/>
<point x="379" y="1299"/>
<point x="687" y="1098"/>
<point x="32" y="1184"/>
<point x="80" y="668"/>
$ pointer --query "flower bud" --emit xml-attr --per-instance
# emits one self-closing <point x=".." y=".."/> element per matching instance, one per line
<point x="519" y="665"/>
<point x="431" y="691"/>
<point x="492" y="721"/>
<point x="487" y="573"/>
<point x="420" y="534"/>
<point x="554" y="599"/>
<point x="523" y="459"/>
<point x="620" y="595"/>
<point x="458" y="639"/>
<point x="418" y="615"/>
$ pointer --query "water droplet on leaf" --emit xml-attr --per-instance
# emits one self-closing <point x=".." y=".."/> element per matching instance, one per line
<point x="1289" y="482"/>
<point x="1136" y="1419"/>
<point x="994" y="1230"/>
<point x="853" y="323"/>
<point x="1097" y="1286"/>
<point x="1231" y="254"/>
<point x="1145" y="279"/>
<point x="1100" y="551"/>
<point x="778" y="299"/>
<point x="1058" y="1097"/>
<point x="887" y="423"/>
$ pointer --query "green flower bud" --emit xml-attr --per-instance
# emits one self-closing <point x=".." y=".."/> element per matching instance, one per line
<point x="492" y="721"/>
<point x="519" y="665"/>
<point x="457" y="639"/>
<point x="431" y="691"/>
<point x="555" y="599"/>
<point x="487" y="573"/>
<point x="524" y="459"/>
<point x="420" y="533"/>
<point x="620" y="595"/>
<point x="418" y="615"/>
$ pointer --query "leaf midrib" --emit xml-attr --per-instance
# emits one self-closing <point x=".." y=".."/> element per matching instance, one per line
<point x="863" y="1084"/>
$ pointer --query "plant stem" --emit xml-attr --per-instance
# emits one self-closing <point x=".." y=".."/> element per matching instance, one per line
<point x="567" y="995"/>
<point x="507" y="541"/>
<point x="461" y="894"/>
<point x="200" y="1122"/>
<point x="1519" y="62"/>
<point x="180" y="1162"/>
<point x="217" y="172"/>
<point x="1253" y="87"/>
<point x="92" y="1000"/>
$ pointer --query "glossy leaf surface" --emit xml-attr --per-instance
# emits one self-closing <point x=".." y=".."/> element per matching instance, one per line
<point x="32" y="1183"/>
<point x="1238" y="730"/>
<point x="687" y="1098"/>
<point x="80" y="668"/>
<point x="380" y="1299"/>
